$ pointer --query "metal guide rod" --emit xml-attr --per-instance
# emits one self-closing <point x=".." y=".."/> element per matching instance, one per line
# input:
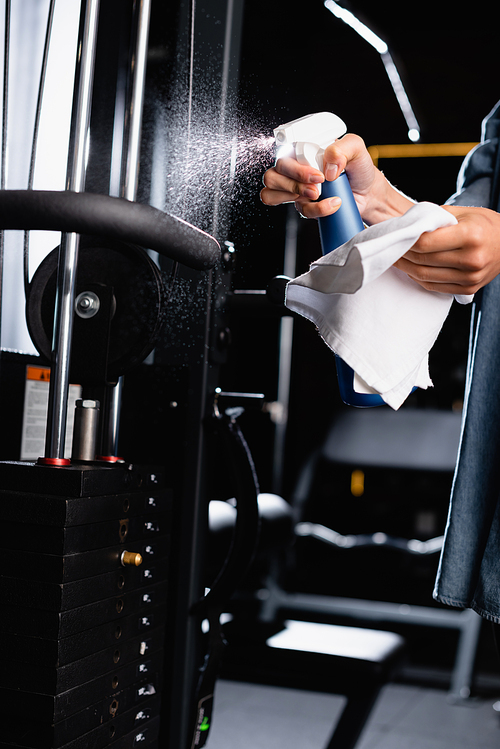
<point x="130" y="176"/>
<point x="68" y="253"/>
<point x="138" y="64"/>
<point x="3" y="143"/>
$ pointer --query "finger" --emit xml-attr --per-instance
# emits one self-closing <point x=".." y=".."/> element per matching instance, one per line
<point x="343" y="150"/>
<point x="449" y="280"/>
<point x="347" y="153"/>
<point x="277" y="197"/>
<point x="428" y="273"/>
<point x="445" y="239"/>
<point x="442" y="259"/>
<point x="291" y="168"/>
<point x="318" y="209"/>
<point x="447" y="250"/>
<point x="282" y="184"/>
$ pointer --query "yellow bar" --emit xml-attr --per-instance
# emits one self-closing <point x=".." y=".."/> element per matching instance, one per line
<point x="357" y="483"/>
<point x="418" y="150"/>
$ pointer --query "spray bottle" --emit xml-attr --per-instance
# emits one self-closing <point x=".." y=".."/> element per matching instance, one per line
<point x="310" y="136"/>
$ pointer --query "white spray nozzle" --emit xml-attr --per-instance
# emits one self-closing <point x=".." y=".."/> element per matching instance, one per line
<point x="321" y="128"/>
<point x="311" y="135"/>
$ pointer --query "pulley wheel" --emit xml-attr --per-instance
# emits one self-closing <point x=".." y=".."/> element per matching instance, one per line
<point x="138" y="299"/>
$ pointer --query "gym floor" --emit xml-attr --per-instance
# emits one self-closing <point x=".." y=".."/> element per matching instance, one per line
<point x="248" y="716"/>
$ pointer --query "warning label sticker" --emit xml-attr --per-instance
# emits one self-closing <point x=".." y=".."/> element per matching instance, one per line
<point x="36" y="400"/>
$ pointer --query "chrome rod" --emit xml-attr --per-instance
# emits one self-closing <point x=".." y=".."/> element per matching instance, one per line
<point x="36" y="130"/>
<point x="3" y="145"/>
<point x="5" y="93"/>
<point x="130" y="177"/>
<point x="113" y="415"/>
<point x="138" y="65"/>
<point x="77" y="166"/>
<point x="68" y="252"/>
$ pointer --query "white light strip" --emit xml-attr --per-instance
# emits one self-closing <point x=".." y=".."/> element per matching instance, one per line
<point x="354" y="23"/>
<point x="390" y="67"/>
<point x="402" y="97"/>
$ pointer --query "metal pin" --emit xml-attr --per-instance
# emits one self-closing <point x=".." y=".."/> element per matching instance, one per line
<point x="85" y="430"/>
<point x="131" y="559"/>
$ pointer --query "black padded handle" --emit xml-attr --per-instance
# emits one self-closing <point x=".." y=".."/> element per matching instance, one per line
<point x="112" y="218"/>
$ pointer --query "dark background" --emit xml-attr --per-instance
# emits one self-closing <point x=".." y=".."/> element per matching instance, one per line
<point x="302" y="60"/>
<point x="295" y="62"/>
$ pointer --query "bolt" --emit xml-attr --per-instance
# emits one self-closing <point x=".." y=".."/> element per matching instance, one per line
<point x="87" y="304"/>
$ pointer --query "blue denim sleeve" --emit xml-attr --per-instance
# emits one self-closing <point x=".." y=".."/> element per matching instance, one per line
<point x="469" y="568"/>
<point x="475" y="177"/>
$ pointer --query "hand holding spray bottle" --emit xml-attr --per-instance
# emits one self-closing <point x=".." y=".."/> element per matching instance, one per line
<point x="310" y="136"/>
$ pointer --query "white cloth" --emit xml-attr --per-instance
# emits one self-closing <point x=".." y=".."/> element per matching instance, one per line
<point x="377" y="319"/>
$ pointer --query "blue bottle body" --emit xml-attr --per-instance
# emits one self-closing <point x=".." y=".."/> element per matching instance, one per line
<point x="334" y="231"/>
<point x="343" y="225"/>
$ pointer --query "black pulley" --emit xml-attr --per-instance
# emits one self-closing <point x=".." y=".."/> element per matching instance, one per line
<point x="119" y="309"/>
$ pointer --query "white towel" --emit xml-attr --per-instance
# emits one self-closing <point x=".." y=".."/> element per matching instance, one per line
<point x="377" y="319"/>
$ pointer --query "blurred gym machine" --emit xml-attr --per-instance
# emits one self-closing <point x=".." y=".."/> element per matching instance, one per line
<point x="403" y="463"/>
<point x="102" y="588"/>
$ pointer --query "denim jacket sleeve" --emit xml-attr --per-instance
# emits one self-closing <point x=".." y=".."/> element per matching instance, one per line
<point x="469" y="568"/>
